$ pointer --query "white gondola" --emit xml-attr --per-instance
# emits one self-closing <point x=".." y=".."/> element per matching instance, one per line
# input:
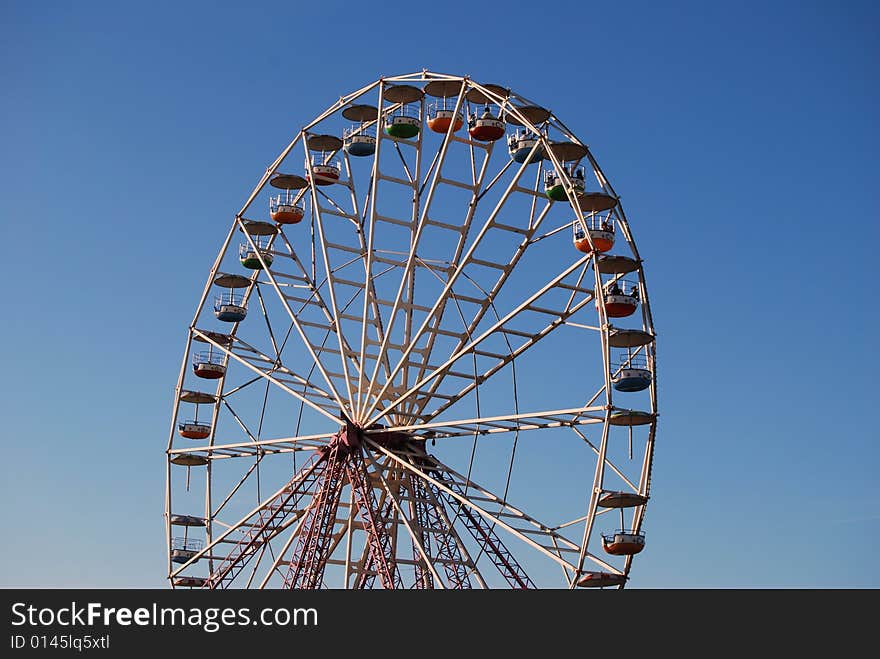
<point x="394" y="319"/>
<point x="632" y="374"/>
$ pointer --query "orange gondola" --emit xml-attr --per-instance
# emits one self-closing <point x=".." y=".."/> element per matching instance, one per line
<point x="623" y="543"/>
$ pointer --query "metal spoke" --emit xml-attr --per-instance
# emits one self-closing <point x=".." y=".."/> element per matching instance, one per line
<point x="406" y="283"/>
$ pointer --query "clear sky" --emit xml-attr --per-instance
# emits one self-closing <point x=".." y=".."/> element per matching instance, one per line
<point x="742" y="138"/>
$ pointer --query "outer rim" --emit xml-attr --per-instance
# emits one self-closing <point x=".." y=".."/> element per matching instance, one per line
<point x="534" y="114"/>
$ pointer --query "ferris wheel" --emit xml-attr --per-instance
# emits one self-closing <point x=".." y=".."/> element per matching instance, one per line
<point x="424" y="357"/>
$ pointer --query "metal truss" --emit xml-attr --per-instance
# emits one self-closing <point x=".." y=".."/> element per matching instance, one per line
<point x="414" y="304"/>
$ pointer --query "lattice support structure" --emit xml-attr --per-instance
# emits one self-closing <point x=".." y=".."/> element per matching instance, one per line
<point x="420" y="513"/>
<point x="482" y="531"/>
<point x="414" y="270"/>
<point x="306" y="570"/>
<point x="270" y="519"/>
<point x="427" y="501"/>
<point x="381" y="555"/>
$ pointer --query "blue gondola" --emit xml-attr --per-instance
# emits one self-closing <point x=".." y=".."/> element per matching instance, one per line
<point x="520" y="145"/>
<point x="632" y="379"/>
<point x="230" y="308"/>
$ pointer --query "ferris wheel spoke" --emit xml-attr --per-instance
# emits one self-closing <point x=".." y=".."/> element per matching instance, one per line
<point x="314" y="299"/>
<point x="345" y="351"/>
<point x="433" y="317"/>
<point x="326" y="406"/>
<point x="256" y="448"/>
<point x="420" y="219"/>
<point x="493" y="547"/>
<point x="487" y="298"/>
<point x="502" y="327"/>
<point x="265" y="315"/>
<point x="422" y="545"/>
<point x="397" y="309"/>
<point x="424" y="215"/>
<point x="608" y="463"/>
<point x="371" y="315"/>
<point x="482" y="532"/>
<point x="461" y="484"/>
<point x="491" y="425"/>
<point x="238" y="420"/>
<point x="219" y="509"/>
<point x="484" y="302"/>
<point x="266" y="365"/>
<point x="452" y="485"/>
<point x="370" y="296"/>
<point x="407" y="277"/>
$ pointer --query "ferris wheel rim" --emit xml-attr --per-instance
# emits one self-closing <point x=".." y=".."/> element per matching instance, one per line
<point x="521" y="115"/>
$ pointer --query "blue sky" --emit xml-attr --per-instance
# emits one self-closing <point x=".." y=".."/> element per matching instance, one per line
<point x="742" y="138"/>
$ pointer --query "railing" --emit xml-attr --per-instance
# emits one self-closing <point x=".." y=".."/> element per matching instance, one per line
<point x="594" y="223"/>
<point x="362" y="130"/>
<point x="551" y="178"/>
<point x="317" y="160"/>
<point x="519" y="136"/>
<point x="610" y="537"/>
<point x="288" y="200"/>
<point x="485" y="114"/>
<point x="209" y="357"/>
<point x="623" y="287"/>
<point x="194" y="422"/>
<point x="443" y="105"/>
<point x="261" y="245"/>
<point x="632" y="361"/>
<point x="411" y="110"/>
<point x="187" y="544"/>
<point x="230" y="298"/>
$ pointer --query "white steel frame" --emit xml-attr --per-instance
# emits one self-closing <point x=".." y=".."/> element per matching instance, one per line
<point x="371" y="378"/>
